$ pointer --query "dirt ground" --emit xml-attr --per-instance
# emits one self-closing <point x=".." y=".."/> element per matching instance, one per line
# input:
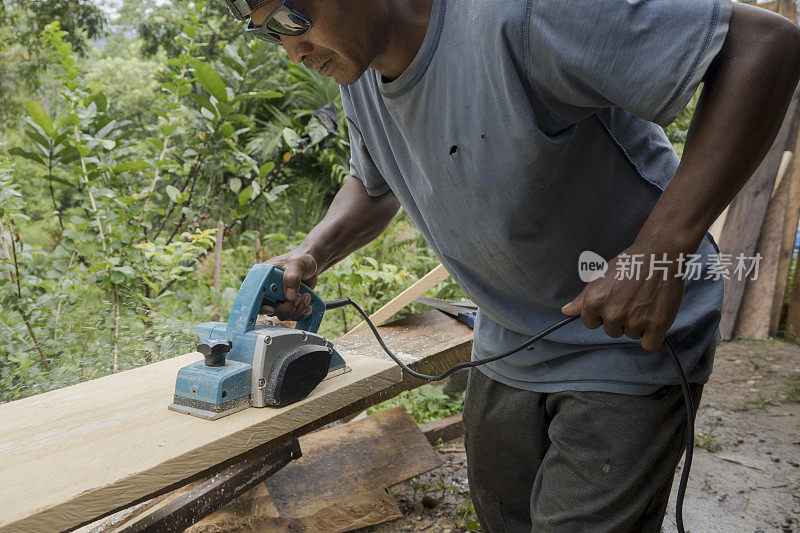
<point x="746" y="471"/>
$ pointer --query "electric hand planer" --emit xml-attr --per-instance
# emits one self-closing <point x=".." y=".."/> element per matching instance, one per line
<point x="245" y="364"/>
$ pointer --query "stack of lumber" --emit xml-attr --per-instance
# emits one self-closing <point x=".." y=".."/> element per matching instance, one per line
<point x="70" y="456"/>
<point x="339" y="484"/>
<point x="762" y="221"/>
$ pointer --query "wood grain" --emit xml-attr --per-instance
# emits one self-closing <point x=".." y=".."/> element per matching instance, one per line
<point x="746" y="215"/>
<point x="792" y="330"/>
<point x="342" y="471"/>
<point x="788" y="236"/>
<point x="215" y="492"/>
<point x="445" y="429"/>
<point x="753" y="320"/>
<point x="428" y="281"/>
<point x="716" y="228"/>
<point x="80" y="453"/>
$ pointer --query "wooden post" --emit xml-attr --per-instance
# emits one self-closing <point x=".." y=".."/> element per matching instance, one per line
<point x="793" y="313"/>
<point x="218" y="260"/>
<point x="746" y="215"/>
<point x="755" y="312"/>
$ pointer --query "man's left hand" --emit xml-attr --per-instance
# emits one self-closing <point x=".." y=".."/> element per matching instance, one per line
<point x="639" y="308"/>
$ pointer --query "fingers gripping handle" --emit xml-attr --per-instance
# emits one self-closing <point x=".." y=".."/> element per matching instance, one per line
<point x="311" y="322"/>
<point x="264" y="283"/>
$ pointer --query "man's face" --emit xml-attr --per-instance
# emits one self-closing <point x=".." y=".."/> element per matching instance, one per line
<point x="340" y="43"/>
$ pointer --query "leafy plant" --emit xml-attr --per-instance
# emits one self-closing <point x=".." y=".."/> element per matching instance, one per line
<point x="708" y="440"/>
<point x="424" y="404"/>
<point x="466" y="517"/>
<point x="791" y="390"/>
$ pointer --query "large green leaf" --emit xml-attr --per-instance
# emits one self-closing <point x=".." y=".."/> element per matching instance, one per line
<point x="291" y="137"/>
<point x="173" y="193"/>
<point x="266" y="168"/>
<point x="245" y="195"/>
<point x="128" y="166"/>
<point x="32" y="156"/>
<point x="210" y="80"/>
<point x="40" y="117"/>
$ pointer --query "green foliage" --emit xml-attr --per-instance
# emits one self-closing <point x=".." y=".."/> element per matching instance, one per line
<point x="791" y="391"/>
<point x="466" y="517"/>
<point x="424" y="404"/>
<point x="129" y="164"/>
<point x="676" y="132"/>
<point x="708" y="440"/>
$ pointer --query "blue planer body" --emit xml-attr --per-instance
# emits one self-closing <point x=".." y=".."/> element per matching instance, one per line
<point x="248" y="365"/>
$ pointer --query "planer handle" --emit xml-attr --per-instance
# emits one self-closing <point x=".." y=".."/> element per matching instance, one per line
<point x="265" y="283"/>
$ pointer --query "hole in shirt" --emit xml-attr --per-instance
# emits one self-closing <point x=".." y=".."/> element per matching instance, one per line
<point x="453" y="149"/>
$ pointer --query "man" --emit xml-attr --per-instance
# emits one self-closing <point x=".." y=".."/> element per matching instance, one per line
<point x="518" y="135"/>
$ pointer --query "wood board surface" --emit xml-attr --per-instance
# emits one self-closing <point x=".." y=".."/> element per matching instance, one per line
<point x="69" y="455"/>
<point x="337" y="485"/>
<point x="86" y="451"/>
<point x="746" y="215"/>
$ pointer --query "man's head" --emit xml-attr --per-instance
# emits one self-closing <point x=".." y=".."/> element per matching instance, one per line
<point x="345" y="37"/>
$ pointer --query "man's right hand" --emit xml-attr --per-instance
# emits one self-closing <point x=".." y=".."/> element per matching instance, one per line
<point x="353" y="219"/>
<point x="298" y="267"/>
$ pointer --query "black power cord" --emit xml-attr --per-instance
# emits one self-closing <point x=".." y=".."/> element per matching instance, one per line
<point x="687" y="464"/>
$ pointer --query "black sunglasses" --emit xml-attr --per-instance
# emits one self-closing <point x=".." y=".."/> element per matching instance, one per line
<point x="285" y="20"/>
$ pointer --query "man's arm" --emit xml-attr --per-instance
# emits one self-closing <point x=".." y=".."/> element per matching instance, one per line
<point x="745" y="96"/>
<point x="353" y="220"/>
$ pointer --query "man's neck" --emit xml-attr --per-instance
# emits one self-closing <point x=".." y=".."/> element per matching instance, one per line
<point x="408" y="26"/>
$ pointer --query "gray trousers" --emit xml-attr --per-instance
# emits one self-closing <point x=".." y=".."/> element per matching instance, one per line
<point x="571" y="461"/>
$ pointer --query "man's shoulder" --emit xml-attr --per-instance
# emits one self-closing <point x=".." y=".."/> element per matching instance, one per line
<point x="363" y="90"/>
<point x="483" y="20"/>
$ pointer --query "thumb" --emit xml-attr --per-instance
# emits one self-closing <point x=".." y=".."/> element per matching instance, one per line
<point x="574" y="307"/>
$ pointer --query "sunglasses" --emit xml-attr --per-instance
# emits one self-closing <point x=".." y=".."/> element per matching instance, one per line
<point x="285" y="20"/>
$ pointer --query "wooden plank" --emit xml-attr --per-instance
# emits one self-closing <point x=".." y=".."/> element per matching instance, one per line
<point x="80" y="453"/>
<point x="716" y="228"/>
<point x="746" y="215"/>
<point x="792" y="331"/>
<point x="452" y="349"/>
<point x="340" y="465"/>
<point x="788" y="235"/>
<point x="428" y="281"/>
<point x="753" y="320"/>
<point x="769" y="6"/>
<point x="70" y="455"/>
<point x="787" y="9"/>
<point x="445" y="429"/>
<point x="361" y="510"/>
<point x="215" y="492"/>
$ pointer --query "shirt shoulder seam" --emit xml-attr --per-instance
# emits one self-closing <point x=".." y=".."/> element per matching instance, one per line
<point x="701" y="54"/>
<point x="526" y="57"/>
